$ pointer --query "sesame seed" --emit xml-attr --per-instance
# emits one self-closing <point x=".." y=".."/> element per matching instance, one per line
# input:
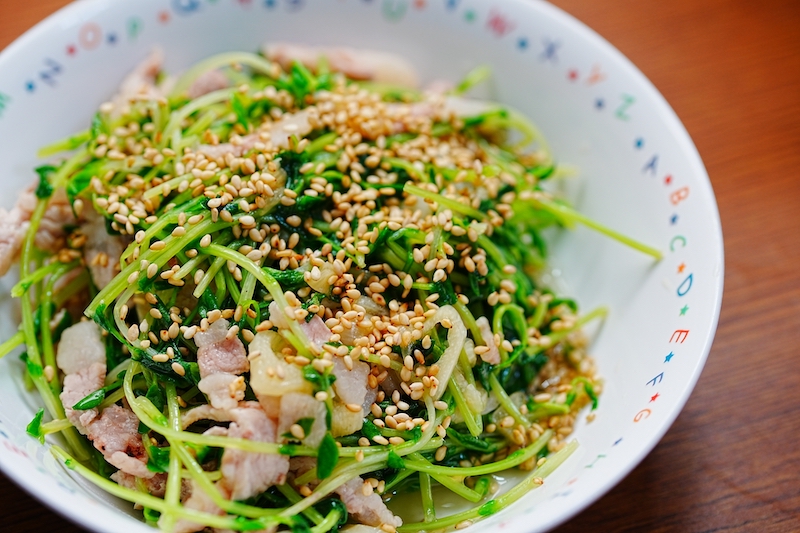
<point x="297" y="431"/>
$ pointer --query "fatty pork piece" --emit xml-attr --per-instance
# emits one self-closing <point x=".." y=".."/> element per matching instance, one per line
<point x="140" y="83"/>
<point x="369" y="510"/>
<point x="359" y="64"/>
<point x="81" y="355"/>
<point x="14" y="224"/>
<point x="221" y="361"/>
<point x="102" y="251"/>
<point x="244" y="474"/>
<point x="277" y="133"/>
<point x="115" y="430"/>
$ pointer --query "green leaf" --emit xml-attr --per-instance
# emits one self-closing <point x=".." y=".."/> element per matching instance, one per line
<point x="91" y="401"/>
<point x="488" y="508"/>
<point x="370" y="430"/>
<point x="34" y="429"/>
<point x="471" y="443"/>
<point x="35" y="370"/>
<point x="158" y="458"/>
<point x="321" y="381"/>
<point x="395" y="461"/>
<point x="327" y="457"/>
<point x="44" y="189"/>
<point x="240" y="111"/>
<point x="304" y="423"/>
<point x="80" y="181"/>
<point x="299" y="525"/>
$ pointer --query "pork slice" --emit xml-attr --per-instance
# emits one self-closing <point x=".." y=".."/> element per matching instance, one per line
<point x="13" y="227"/>
<point x="76" y="387"/>
<point x="296" y="124"/>
<point x="207" y="82"/>
<point x="80" y="347"/>
<point x="237" y="149"/>
<point x="156" y="485"/>
<point x="81" y="355"/>
<point x="317" y="332"/>
<point x="360" y="64"/>
<point x="246" y="474"/>
<point x="296" y="406"/>
<point x="224" y="390"/>
<point x="199" y="500"/>
<point x="102" y="251"/>
<point x="369" y="510"/>
<point x="350" y="385"/>
<point x="139" y="83"/>
<point x="208" y="412"/>
<point x="216" y="353"/>
<point x="50" y="234"/>
<point x="116" y="435"/>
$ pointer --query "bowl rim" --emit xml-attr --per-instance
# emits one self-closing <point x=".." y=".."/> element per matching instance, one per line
<point x="670" y="121"/>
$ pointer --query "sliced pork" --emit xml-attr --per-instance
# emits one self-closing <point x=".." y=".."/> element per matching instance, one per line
<point x="102" y="251"/>
<point x="216" y="353"/>
<point x="381" y="67"/>
<point x="81" y="355"/>
<point x="369" y="510"/>
<point x="207" y="82"/>
<point x="14" y="225"/>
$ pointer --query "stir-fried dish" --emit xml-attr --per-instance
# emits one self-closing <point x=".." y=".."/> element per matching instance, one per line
<point x="284" y="288"/>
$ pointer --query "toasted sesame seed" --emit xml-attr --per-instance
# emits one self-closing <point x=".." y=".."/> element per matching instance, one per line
<point x="297" y="431"/>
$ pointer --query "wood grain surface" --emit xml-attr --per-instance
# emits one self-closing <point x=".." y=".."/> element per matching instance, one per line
<point x="731" y="462"/>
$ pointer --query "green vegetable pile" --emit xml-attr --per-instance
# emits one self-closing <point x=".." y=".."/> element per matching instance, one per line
<point x="361" y="234"/>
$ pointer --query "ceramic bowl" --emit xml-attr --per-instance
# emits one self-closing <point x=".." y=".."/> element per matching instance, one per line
<point x="636" y="171"/>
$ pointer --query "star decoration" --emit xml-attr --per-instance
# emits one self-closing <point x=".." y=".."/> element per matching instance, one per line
<point x="639" y="143"/>
<point x="163" y="17"/>
<point x="572" y="75"/>
<point x="668" y="180"/>
<point x="599" y="103"/>
<point x="654" y="397"/>
<point x="71" y="50"/>
<point x="30" y="86"/>
<point x="522" y="43"/>
<point x="681" y="268"/>
<point x="669" y="357"/>
<point x="684" y="309"/>
<point x="674" y="219"/>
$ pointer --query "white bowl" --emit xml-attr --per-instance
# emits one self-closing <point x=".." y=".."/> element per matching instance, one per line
<point x="638" y="172"/>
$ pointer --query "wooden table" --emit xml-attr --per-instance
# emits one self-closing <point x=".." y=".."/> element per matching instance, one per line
<point x="731" y="462"/>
